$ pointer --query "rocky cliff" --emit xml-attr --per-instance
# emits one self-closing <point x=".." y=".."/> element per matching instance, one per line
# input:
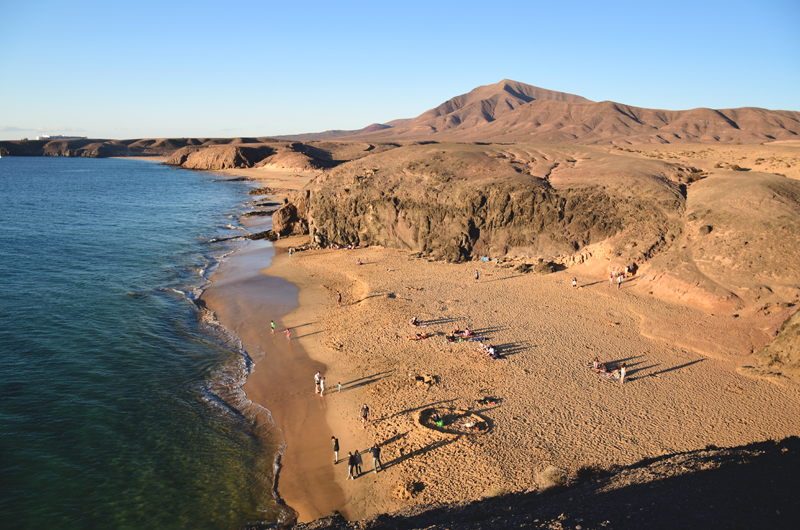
<point x="460" y="202"/>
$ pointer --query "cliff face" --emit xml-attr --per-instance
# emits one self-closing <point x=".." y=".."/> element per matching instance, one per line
<point x="459" y="202"/>
<point x="219" y="157"/>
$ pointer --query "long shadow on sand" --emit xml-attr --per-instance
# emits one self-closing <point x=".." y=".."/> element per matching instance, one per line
<point x="366" y="380"/>
<point x="427" y="405"/>
<point x="665" y="370"/>
<point x="512" y="348"/>
<point x="421" y="451"/>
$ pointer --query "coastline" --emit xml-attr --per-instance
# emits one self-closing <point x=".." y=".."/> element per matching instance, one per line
<point x="245" y="296"/>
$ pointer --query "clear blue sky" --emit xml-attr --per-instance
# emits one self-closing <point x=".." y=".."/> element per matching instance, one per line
<point x="248" y="68"/>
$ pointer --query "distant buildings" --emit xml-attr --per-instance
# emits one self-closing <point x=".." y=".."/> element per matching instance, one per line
<point x="59" y="137"/>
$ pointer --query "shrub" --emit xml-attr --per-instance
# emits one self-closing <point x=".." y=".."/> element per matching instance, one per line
<point x="551" y="477"/>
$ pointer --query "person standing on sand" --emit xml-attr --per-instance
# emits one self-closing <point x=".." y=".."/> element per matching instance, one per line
<point x="288" y="334"/>
<point x="317" y="381"/>
<point x="359" y="462"/>
<point x="619" y="282"/>
<point x="340" y="387"/>
<point x="364" y="415"/>
<point x="622" y="370"/>
<point x="339" y="298"/>
<point x="272" y="325"/>
<point x="376" y="457"/>
<point x="351" y="463"/>
<point x="322" y="387"/>
<point x="335" y="449"/>
<point x="477" y="276"/>
<point x="574" y="282"/>
<point x="611" y="278"/>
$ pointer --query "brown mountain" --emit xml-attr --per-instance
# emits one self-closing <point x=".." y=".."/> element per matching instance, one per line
<point x="329" y="135"/>
<point x="509" y="111"/>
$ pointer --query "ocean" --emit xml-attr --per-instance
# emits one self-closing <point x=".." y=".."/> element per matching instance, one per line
<point x="120" y="401"/>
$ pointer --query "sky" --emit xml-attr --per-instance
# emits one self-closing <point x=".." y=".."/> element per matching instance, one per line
<point x="124" y="70"/>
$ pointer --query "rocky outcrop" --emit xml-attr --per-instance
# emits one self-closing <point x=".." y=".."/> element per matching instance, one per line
<point x="219" y="157"/>
<point x="458" y="202"/>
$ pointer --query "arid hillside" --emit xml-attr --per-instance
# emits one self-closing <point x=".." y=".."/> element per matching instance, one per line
<point x="510" y="111"/>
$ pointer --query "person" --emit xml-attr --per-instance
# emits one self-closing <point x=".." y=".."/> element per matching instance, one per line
<point x="317" y="380"/>
<point x="376" y="457"/>
<point x="619" y="282"/>
<point x="339" y="298"/>
<point x="322" y="387"/>
<point x="414" y="321"/>
<point x="359" y="462"/>
<point x="351" y="463"/>
<point x="340" y="387"/>
<point x="627" y="270"/>
<point x="288" y="334"/>
<point x="272" y="325"/>
<point x="477" y="276"/>
<point x="622" y="369"/>
<point x="611" y="278"/>
<point x="596" y="364"/>
<point x="574" y="282"/>
<point x="364" y="415"/>
<point x="359" y="262"/>
<point x="290" y="251"/>
<point x="335" y="449"/>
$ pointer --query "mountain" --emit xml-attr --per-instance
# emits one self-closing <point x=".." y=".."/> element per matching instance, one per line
<point x="510" y="111"/>
<point x="329" y="135"/>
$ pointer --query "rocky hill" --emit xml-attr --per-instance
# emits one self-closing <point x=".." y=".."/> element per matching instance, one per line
<point x="510" y="111"/>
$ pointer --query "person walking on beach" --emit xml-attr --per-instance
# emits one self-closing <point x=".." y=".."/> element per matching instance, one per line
<point x="322" y="387"/>
<point x="340" y="387"/>
<point x="351" y="463"/>
<point x="364" y="415"/>
<point x="376" y="457"/>
<point x="477" y="276"/>
<point x="619" y="282"/>
<point x="574" y="282"/>
<point x="335" y="441"/>
<point x="288" y="334"/>
<point x="622" y="369"/>
<point x="611" y="278"/>
<point x="317" y="381"/>
<point x="272" y="325"/>
<point x="359" y="462"/>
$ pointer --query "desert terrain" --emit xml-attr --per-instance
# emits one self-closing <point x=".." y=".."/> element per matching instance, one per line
<point x="481" y="213"/>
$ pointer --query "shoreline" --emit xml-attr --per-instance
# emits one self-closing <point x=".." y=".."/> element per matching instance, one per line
<point x="245" y="295"/>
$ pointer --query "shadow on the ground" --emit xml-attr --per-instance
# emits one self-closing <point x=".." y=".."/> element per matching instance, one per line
<point x="752" y="486"/>
<point x="366" y="380"/>
<point x="427" y="405"/>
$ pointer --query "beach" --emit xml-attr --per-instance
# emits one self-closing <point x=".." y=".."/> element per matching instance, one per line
<point x="541" y="404"/>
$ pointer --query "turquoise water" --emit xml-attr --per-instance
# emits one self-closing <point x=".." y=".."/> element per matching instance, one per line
<point x="119" y="400"/>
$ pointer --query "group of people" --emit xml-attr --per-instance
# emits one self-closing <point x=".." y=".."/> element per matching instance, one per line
<point x="488" y="350"/>
<point x="618" y="276"/>
<point x="320" y="384"/>
<point x="354" y="461"/>
<point x="613" y="372"/>
<point x="287" y="331"/>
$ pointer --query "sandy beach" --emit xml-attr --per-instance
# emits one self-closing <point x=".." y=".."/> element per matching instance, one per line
<point x="545" y="406"/>
<point x="549" y="407"/>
